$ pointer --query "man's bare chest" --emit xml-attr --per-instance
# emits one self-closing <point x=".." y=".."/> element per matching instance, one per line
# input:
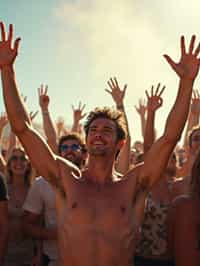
<point x="101" y="206"/>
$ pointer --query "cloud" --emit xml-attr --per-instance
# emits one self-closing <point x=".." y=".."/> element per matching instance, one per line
<point x="127" y="39"/>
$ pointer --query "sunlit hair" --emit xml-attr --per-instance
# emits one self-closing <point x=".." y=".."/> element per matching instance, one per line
<point x="27" y="176"/>
<point x="191" y="133"/>
<point x="72" y="136"/>
<point x="195" y="180"/>
<point x="109" y="113"/>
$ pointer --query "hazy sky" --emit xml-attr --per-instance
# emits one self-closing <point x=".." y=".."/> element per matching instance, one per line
<point x="76" y="46"/>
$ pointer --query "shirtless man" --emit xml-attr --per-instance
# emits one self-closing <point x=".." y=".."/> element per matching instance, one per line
<point x="102" y="211"/>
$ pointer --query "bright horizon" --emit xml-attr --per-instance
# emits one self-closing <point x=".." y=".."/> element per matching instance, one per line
<point x="76" y="46"/>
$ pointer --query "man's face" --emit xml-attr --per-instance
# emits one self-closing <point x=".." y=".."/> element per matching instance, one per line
<point x="102" y="137"/>
<point x="71" y="150"/>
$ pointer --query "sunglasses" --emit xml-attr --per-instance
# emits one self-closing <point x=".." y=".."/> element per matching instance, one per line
<point x="73" y="147"/>
<point x="16" y="158"/>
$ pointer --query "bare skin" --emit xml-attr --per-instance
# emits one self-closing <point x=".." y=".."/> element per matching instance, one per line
<point x="99" y="220"/>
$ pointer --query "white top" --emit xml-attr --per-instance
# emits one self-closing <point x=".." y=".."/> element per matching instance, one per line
<point x="41" y="200"/>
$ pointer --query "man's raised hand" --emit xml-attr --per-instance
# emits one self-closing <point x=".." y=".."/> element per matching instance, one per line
<point x="188" y="66"/>
<point x="154" y="100"/>
<point x="43" y="97"/>
<point x="78" y="112"/>
<point x="7" y="52"/>
<point x="115" y="91"/>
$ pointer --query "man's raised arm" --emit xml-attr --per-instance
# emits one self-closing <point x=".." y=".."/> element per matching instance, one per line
<point x="40" y="154"/>
<point x="187" y="70"/>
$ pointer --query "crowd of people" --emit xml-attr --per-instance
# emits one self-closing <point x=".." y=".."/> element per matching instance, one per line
<point x="91" y="195"/>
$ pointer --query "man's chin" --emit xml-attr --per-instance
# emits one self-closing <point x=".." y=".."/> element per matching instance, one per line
<point x="97" y="152"/>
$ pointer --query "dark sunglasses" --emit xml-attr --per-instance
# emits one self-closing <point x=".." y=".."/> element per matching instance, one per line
<point x="16" y="158"/>
<point x="73" y="147"/>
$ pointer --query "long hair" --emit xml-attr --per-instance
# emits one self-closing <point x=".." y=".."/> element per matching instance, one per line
<point x="27" y="175"/>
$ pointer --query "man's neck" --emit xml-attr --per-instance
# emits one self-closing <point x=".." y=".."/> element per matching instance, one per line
<point x="99" y="170"/>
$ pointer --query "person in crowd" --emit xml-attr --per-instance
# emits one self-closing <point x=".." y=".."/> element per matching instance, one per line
<point x="96" y="196"/>
<point x="122" y="164"/>
<point x="40" y="202"/>
<point x="153" y="248"/>
<point x="20" y="248"/>
<point x="185" y="222"/>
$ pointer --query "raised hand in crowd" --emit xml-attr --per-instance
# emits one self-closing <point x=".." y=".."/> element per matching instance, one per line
<point x="188" y="66"/>
<point x="60" y="127"/>
<point x="118" y="95"/>
<point x="116" y="92"/>
<point x="48" y="125"/>
<point x="154" y="102"/>
<point x="141" y="110"/>
<point x="187" y="69"/>
<point x="154" y="99"/>
<point x="78" y="115"/>
<point x="43" y="97"/>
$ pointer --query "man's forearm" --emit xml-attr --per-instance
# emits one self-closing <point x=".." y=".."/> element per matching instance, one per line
<point x="49" y="130"/>
<point x="178" y="115"/>
<point x="17" y="114"/>
<point x="149" y="136"/>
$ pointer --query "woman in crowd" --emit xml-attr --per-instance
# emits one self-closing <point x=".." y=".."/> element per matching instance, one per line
<point x="20" y="249"/>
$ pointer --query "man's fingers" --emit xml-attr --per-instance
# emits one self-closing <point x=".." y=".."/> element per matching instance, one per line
<point x="10" y="34"/>
<point x="196" y="53"/>
<point x="16" y="44"/>
<point x="147" y="94"/>
<point x="170" y="61"/>
<point x="183" y="45"/>
<point x="108" y="91"/>
<point x="46" y="89"/>
<point x="161" y="92"/>
<point x="110" y="85"/>
<point x="191" y="47"/>
<point x="116" y="82"/>
<point x="3" y="32"/>
<point x="157" y="89"/>
<point x="124" y="90"/>
<point x="83" y="107"/>
<point x="112" y="82"/>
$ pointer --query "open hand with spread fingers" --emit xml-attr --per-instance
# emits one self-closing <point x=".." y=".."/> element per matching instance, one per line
<point x="43" y="97"/>
<point x="8" y="51"/>
<point x="154" y="100"/>
<point x="141" y="108"/>
<point x="115" y="91"/>
<point x="188" y="66"/>
<point x="78" y="112"/>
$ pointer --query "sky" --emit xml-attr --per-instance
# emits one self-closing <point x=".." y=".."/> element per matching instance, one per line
<point x="76" y="46"/>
